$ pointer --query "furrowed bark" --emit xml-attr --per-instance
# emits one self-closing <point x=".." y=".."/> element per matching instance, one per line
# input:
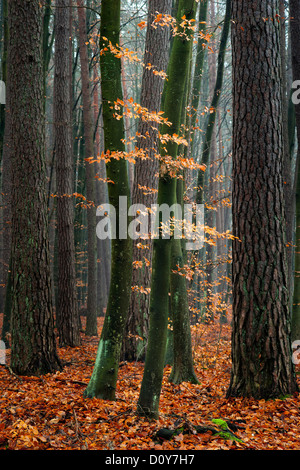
<point x="66" y="308"/>
<point x="261" y="351"/>
<point x="33" y="349"/>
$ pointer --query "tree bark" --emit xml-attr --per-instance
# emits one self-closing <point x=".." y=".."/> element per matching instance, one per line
<point x="33" y="348"/>
<point x="261" y="351"/>
<point x="5" y="183"/>
<point x="66" y="308"/>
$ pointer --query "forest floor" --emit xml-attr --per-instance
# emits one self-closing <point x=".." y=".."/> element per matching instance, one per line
<point x="50" y="412"/>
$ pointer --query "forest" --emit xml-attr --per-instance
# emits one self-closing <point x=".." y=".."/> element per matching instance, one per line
<point x="149" y="227"/>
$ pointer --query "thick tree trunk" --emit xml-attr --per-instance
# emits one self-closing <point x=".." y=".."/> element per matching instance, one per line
<point x="66" y="308"/>
<point x="148" y="402"/>
<point x="104" y="377"/>
<point x="33" y="349"/>
<point x="5" y="228"/>
<point x="156" y="53"/>
<point x="261" y="350"/>
<point x="91" y="321"/>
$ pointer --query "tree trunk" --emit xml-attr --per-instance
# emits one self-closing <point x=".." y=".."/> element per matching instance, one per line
<point x="156" y="53"/>
<point x="148" y="402"/>
<point x="33" y="349"/>
<point x="104" y="377"/>
<point x="4" y="39"/>
<point x="91" y="320"/>
<point x="261" y="351"/>
<point x="5" y="183"/>
<point x="210" y="214"/>
<point x="214" y="103"/>
<point x="66" y="308"/>
<point x="289" y="196"/>
<point x="198" y="72"/>
<point x="183" y="364"/>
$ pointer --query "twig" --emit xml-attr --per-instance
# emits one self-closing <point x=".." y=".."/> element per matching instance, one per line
<point x="77" y="431"/>
<point x="11" y="372"/>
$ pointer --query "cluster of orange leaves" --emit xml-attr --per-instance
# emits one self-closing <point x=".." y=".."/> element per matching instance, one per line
<point x="50" y="412"/>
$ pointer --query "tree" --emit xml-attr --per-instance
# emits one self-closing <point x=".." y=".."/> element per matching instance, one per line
<point x="148" y="402"/>
<point x="289" y="190"/>
<point x="91" y="323"/>
<point x="145" y="177"/>
<point x="183" y="364"/>
<point x="102" y="383"/>
<point x="66" y="308"/>
<point x="261" y="350"/>
<point x="198" y="71"/>
<point x="5" y="133"/>
<point x="33" y="348"/>
<point x="214" y="102"/>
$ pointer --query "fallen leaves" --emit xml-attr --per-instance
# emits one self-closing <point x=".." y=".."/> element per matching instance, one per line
<point x="51" y="413"/>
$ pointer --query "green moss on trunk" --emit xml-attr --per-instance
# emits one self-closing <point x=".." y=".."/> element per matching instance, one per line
<point x="148" y="403"/>
<point x="104" y="376"/>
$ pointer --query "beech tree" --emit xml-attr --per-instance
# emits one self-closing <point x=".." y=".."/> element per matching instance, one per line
<point x="261" y="350"/>
<point x="102" y="383"/>
<point x="148" y="403"/>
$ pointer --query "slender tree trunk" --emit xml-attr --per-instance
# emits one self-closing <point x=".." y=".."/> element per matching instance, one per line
<point x="156" y="53"/>
<point x="261" y="350"/>
<point x="102" y="245"/>
<point x="47" y="43"/>
<point x="104" y="377"/>
<point x="183" y="364"/>
<point x="289" y="196"/>
<point x="91" y="321"/>
<point x="148" y="402"/>
<point x="214" y="102"/>
<point x="198" y="71"/>
<point x="66" y="310"/>
<point x="33" y="349"/>
<point x="210" y="214"/>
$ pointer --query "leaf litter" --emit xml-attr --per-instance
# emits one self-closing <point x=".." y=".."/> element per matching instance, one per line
<point x="50" y="412"/>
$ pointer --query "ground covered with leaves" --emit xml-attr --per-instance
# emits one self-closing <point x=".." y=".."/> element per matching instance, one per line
<point x="50" y="412"/>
